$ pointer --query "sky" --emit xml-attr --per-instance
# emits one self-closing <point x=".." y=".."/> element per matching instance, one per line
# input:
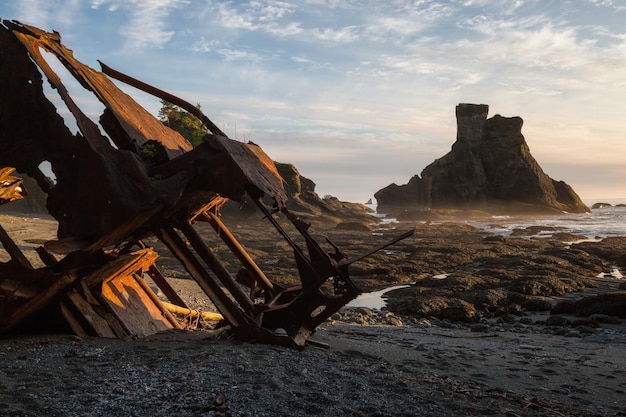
<point x="359" y="94"/>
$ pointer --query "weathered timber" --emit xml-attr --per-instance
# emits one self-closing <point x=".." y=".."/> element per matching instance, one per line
<point x="14" y="252"/>
<point x="108" y="195"/>
<point x="205" y="315"/>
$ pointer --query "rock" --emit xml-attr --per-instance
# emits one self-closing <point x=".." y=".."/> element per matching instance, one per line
<point x="479" y="328"/>
<point x="489" y="168"/>
<point x="611" y="304"/>
<point x="540" y="286"/>
<point x="393" y="320"/>
<point x="557" y="321"/>
<point x="600" y="205"/>
<point x="458" y="311"/>
<point x="495" y="238"/>
<point x="364" y="311"/>
<point x="418" y="215"/>
<point x="603" y="318"/>
<point x="536" y="305"/>
<point x="585" y="324"/>
<point x="305" y="202"/>
<point x="355" y="226"/>
<point x="564" y="307"/>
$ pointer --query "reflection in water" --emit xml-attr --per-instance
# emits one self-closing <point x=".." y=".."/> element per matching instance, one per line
<point x="373" y="300"/>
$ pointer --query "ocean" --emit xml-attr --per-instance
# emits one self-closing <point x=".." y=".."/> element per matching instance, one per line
<point x="600" y="223"/>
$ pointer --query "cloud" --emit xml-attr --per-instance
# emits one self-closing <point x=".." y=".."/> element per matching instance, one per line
<point x="204" y="45"/>
<point x="262" y="16"/>
<point x="344" y="35"/>
<point x="239" y="55"/>
<point x="147" y="24"/>
<point x="612" y="4"/>
<point x="46" y="14"/>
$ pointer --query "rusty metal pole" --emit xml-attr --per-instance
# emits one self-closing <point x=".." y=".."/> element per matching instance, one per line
<point x="236" y="248"/>
<point x="232" y="313"/>
<point x="217" y="267"/>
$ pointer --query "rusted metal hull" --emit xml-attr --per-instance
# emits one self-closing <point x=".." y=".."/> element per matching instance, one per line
<point x="107" y="197"/>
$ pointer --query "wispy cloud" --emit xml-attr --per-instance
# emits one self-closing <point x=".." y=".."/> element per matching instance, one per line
<point x="56" y="14"/>
<point x="204" y="45"/>
<point x="613" y="4"/>
<point x="343" y="35"/>
<point x="263" y="16"/>
<point x="147" y="24"/>
<point x="239" y="55"/>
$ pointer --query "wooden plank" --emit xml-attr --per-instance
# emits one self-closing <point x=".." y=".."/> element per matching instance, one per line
<point x="125" y="265"/>
<point x="46" y="257"/>
<point x="98" y="324"/>
<point x="217" y="267"/>
<point x="73" y="322"/>
<point x="38" y="302"/>
<point x="86" y="293"/>
<point x="13" y="250"/>
<point x="165" y="286"/>
<point x="125" y="230"/>
<point x="116" y="326"/>
<point x="164" y="311"/>
<point x="133" y="307"/>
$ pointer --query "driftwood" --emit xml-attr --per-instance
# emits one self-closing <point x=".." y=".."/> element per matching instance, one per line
<point x="108" y="194"/>
<point x="188" y="312"/>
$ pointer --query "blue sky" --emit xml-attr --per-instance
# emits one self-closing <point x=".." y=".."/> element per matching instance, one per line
<point x="359" y="94"/>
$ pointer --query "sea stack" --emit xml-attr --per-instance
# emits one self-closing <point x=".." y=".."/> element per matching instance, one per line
<point x="489" y="168"/>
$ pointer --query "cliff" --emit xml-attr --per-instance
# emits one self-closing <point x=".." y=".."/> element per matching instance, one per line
<point x="489" y="168"/>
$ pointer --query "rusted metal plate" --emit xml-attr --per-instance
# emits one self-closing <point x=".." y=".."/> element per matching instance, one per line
<point x="138" y="125"/>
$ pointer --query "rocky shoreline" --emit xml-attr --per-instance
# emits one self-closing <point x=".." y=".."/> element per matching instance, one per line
<point x="514" y="357"/>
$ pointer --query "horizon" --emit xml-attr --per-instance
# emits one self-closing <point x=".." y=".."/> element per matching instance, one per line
<point x="362" y="95"/>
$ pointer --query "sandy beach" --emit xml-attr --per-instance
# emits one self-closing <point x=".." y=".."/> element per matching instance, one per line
<point x="353" y="370"/>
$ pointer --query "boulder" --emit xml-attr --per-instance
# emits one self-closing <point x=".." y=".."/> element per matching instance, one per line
<point x="611" y="304"/>
<point x="489" y="168"/>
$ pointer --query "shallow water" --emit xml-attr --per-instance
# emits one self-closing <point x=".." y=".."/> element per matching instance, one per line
<point x="373" y="300"/>
<point x="600" y="223"/>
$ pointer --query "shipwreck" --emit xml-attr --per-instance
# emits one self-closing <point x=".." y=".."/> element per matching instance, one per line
<point x="110" y="194"/>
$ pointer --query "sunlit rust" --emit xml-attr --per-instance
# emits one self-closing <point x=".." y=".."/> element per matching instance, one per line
<point x="108" y="196"/>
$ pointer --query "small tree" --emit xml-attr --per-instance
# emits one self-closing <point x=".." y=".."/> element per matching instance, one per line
<point x="183" y="122"/>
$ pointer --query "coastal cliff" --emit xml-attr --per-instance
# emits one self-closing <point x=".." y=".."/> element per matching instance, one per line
<point x="489" y="168"/>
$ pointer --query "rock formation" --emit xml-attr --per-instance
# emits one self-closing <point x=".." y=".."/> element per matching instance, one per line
<point x="304" y="200"/>
<point x="489" y="168"/>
